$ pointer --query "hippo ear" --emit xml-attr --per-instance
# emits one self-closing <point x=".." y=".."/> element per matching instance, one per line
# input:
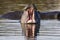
<point x="12" y="15"/>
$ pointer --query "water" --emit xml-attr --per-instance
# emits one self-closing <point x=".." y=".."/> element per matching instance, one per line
<point x="12" y="30"/>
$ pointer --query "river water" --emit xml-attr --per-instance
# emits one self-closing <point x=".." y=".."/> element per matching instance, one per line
<point x="12" y="30"/>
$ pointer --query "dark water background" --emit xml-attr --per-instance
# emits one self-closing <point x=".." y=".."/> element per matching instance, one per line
<point x="12" y="30"/>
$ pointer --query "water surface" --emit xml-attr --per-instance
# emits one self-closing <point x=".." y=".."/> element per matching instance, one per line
<point x="12" y="30"/>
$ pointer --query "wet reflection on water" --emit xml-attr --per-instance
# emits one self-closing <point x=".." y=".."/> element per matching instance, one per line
<point x="31" y="38"/>
<point x="30" y="30"/>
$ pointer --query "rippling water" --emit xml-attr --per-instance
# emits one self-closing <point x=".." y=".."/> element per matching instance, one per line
<point x="12" y="30"/>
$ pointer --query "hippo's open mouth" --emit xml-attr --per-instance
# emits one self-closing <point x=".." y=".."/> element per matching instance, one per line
<point x="31" y="19"/>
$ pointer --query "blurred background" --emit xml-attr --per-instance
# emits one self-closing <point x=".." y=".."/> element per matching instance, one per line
<point x="17" y="5"/>
<point x="7" y="6"/>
